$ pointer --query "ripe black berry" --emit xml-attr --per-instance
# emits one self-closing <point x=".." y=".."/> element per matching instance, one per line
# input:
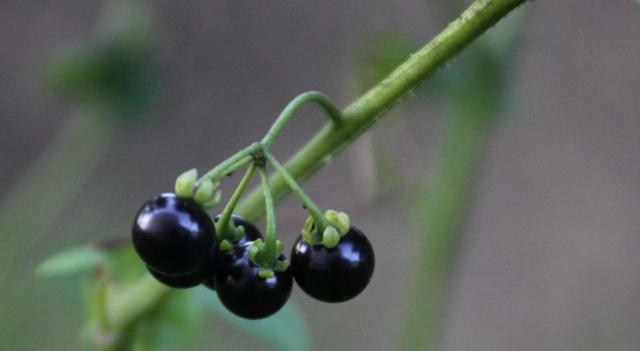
<point x="251" y="233"/>
<point x="179" y="281"/>
<point x="245" y="293"/>
<point x="173" y="235"/>
<point x="337" y="274"/>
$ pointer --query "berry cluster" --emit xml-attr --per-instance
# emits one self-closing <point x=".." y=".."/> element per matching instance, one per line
<point x="177" y="241"/>
<point x="182" y="246"/>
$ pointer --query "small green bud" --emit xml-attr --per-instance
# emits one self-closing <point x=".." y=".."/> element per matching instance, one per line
<point x="215" y="200"/>
<point x="279" y="246"/>
<point x="331" y="215"/>
<point x="306" y="236"/>
<point x="225" y="245"/>
<point x="282" y="266"/>
<point x="256" y="249"/>
<point x="238" y="232"/>
<point x="253" y="252"/>
<point x="185" y="183"/>
<point x="340" y="220"/>
<point x="204" y="192"/>
<point x="265" y="273"/>
<point x="330" y="238"/>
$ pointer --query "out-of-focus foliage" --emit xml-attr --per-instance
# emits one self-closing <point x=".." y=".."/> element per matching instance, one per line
<point x="114" y="76"/>
<point x="115" y="73"/>
<point x="71" y="262"/>
<point x="472" y="93"/>
<point x="286" y="330"/>
<point x="109" y="276"/>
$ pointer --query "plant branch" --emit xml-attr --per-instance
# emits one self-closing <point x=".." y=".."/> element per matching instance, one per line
<point x="289" y="111"/>
<point x="223" y="223"/>
<point x="314" y="210"/>
<point x="364" y="112"/>
<point x="271" y="238"/>
<point x="232" y="163"/>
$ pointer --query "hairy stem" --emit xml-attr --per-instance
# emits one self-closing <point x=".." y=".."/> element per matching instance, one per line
<point x="234" y="162"/>
<point x="223" y="223"/>
<point x="271" y="236"/>
<point x="324" y="101"/>
<point x="363" y="113"/>
<point x="313" y="209"/>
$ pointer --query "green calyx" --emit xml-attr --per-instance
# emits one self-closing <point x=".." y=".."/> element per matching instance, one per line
<point x="340" y="220"/>
<point x="186" y="182"/>
<point x="205" y="194"/>
<point x="267" y="258"/>
<point x="229" y="235"/>
<point x="338" y="224"/>
<point x="225" y="245"/>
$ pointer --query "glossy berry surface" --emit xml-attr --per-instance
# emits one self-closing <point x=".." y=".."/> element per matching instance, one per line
<point x="334" y="275"/>
<point x="251" y="233"/>
<point x="173" y="235"/>
<point x="244" y="293"/>
<point x="179" y="281"/>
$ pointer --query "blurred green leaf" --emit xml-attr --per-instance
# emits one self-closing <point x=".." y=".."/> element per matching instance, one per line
<point x="475" y="92"/>
<point x="115" y="72"/>
<point x="171" y="327"/>
<point x="124" y="265"/>
<point x="286" y="330"/>
<point x="71" y="261"/>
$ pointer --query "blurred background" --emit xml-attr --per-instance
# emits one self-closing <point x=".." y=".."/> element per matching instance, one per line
<point x="501" y="197"/>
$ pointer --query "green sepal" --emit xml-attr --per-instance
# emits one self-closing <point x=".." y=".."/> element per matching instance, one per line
<point x="255" y="250"/>
<point x="330" y="237"/>
<point x="185" y="183"/>
<point x="279" y="246"/>
<point x="204" y="192"/>
<point x="225" y="245"/>
<point x="309" y="232"/>
<point x="281" y="266"/>
<point x="306" y="236"/>
<point x="265" y="273"/>
<point x="215" y="200"/>
<point x="238" y="232"/>
<point x="310" y="224"/>
<point x="340" y="220"/>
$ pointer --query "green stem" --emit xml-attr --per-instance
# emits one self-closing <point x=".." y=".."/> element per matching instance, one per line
<point x="223" y="222"/>
<point x="364" y="112"/>
<point x="314" y="210"/>
<point x="231" y="164"/>
<point x="289" y="111"/>
<point x="271" y="236"/>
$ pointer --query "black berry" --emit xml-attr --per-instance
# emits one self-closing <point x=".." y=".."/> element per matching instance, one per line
<point x="251" y="233"/>
<point x="244" y="292"/>
<point x="179" y="281"/>
<point x="173" y="235"/>
<point x="337" y="274"/>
